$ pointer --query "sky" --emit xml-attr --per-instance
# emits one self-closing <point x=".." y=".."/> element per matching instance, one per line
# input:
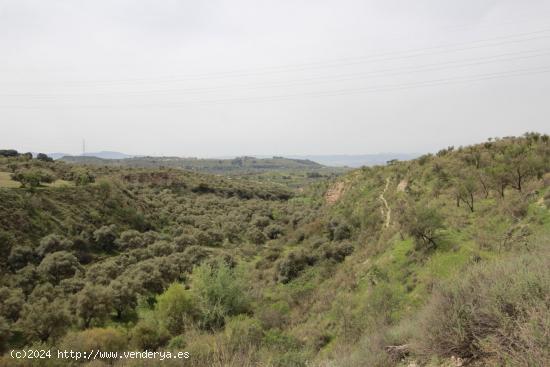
<point x="258" y="77"/>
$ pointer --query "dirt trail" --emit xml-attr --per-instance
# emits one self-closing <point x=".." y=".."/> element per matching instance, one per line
<point x="387" y="211"/>
<point x="334" y="193"/>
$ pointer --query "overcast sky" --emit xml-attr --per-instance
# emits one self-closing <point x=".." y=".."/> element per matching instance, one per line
<point x="220" y="77"/>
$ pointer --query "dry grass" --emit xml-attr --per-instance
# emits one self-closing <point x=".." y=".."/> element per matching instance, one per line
<point x="498" y="311"/>
<point x="7" y="182"/>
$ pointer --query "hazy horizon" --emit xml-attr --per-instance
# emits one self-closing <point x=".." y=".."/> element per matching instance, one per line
<point x="233" y="78"/>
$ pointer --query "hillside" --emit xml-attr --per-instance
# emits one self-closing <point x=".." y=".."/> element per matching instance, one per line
<point x="438" y="261"/>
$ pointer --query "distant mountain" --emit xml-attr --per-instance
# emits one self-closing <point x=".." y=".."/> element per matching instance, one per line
<point x="104" y="154"/>
<point x="330" y="160"/>
<point x="108" y="155"/>
<point x="238" y="164"/>
<point x="54" y="155"/>
<point x="340" y="160"/>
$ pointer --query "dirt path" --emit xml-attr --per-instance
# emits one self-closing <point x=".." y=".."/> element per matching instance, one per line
<point x="387" y="211"/>
<point x="334" y="193"/>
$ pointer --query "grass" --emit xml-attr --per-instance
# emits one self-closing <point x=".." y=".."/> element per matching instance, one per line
<point x="7" y="182"/>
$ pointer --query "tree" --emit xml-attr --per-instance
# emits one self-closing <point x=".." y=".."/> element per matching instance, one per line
<point x="8" y="153"/>
<point x="44" y="157"/>
<point x="423" y="223"/>
<point x="44" y="319"/>
<point x="58" y="265"/>
<point x="5" y="333"/>
<point x="130" y="239"/>
<point x="32" y="178"/>
<point x="499" y="176"/>
<point x="52" y="243"/>
<point x="20" y="255"/>
<point x="105" y="237"/>
<point x="466" y="188"/>
<point x="523" y="164"/>
<point x="11" y="303"/>
<point x="26" y="278"/>
<point x="93" y="303"/>
<point x="124" y="296"/>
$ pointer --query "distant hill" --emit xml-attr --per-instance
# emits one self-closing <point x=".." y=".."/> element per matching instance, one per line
<point x="235" y="165"/>
<point x="104" y="154"/>
<point x="331" y="160"/>
<point x="345" y="160"/>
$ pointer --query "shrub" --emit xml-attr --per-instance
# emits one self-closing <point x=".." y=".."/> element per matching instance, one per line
<point x="338" y="230"/>
<point x="293" y="264"/>
<point x="104" y="339"/>
<point x="161" y="248"/>
<point x="183" y="241"/>
<point x="337" y="251"/>
<point x="220" y="293"/>
<point x="81" y="177"/>
<point x="273" y="231"/>
<point x="176" y="308"/>
<point x="130" y="239"/>
<point x="256" y="236"/>
<point x="148" y="334"/>
<point x="52" y="243"/>
<point x="105" y="237"/>
<point x="20" y="255"/>
<point x="497" y="310"/>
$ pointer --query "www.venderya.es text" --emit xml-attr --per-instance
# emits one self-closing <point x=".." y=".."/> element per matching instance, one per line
<point x="95" y="354"/>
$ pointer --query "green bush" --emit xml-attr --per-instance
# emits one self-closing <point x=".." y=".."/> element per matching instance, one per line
<point x="220" y="293"/>
<point x="337" y="251"/>
<point x="293" y="264"/>
<point x="149" y="334"/>
<point x="176" y="308"/>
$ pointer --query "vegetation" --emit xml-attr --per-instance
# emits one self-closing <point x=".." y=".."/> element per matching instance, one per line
<point x="439" y="258"/>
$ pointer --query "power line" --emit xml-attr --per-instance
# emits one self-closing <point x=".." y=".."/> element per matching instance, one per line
<point x="323" y="79"/>
<point x="399" y="55"/>
<point x="348" y="91"/>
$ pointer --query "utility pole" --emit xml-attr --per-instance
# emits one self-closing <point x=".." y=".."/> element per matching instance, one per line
<point x="83" y="146"/>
